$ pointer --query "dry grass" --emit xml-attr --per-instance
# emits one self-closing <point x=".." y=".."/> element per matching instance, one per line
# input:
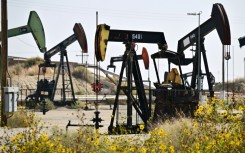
<point x="18" y="119"/>
<point x="33" y="70"/>
<point x="19" y="69"/>
<point x="174" y="128"/>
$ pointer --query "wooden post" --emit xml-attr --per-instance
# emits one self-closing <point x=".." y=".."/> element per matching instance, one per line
<point x="4" y="56"/>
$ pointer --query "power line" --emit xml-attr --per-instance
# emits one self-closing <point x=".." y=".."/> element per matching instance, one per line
<point x="106" y="12"/>
<point x="24" y="42"/>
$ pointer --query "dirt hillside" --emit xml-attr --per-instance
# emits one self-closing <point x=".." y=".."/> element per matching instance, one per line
<point x="25" y="76"/>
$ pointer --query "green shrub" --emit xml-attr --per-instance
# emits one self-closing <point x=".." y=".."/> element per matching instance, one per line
<point x="77" y="105"/>
<point x="80" y="73"/>
<point x="49" y="105"/>
<point x="33" y="61"/>
<point x="79" y="93"/>
<point x="31" y="104"/>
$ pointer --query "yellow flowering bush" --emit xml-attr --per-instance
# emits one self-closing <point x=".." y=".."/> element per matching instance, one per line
<point x="31" y="140"/>
<point x="215" y="128"/>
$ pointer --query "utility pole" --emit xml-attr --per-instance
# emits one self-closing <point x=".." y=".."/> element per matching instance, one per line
<point x="4" y="57"/>
<point x="198" y="54"/>
<point x="83" y="55"/>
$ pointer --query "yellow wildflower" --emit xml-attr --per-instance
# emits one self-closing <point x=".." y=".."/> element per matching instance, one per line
<point x="207" y="100"/>
<point x="112" y="147"/>
<point x="44" y="137"/>
<point x="185" y="130"/>
<point x="162" y="147"/>
<point x="143" y="150"/>
<point x="220" y="136"/>
<point x="208" y="147"/>
<point x="195" y="125"/>
<point x="96" y="143"/>
<point x="213" y="142"/>
<point x="88" y="139"/>
<point x="130" y="139"/>
<point x="161" y="132"/>
<point x="227" y="135"/>
<point x="171" y="149"/>
<point x="14" y="139"/>
<point x="241" y="108"/>
<point x="142" y="127"/>
<point x="132" y="149"/>
<point x="238" y="143"/>
<point x="197" y="145"/>
<point x="224" y="112"/>
<point x="51" y="145"/>
<point x="97" y="130"/>
<point x="232" y="143"/>
<point x="210" y="110"/>
<point x="23" y="149"/>
<point x="108" y="141"/>
<point x="200" y="108"/>
<point x="3" y="148"/>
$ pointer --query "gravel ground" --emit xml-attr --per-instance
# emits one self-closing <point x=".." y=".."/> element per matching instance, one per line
<point x="59" y="118"/>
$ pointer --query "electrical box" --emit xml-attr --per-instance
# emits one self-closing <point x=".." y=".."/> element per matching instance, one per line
<point x="10" y="98"/>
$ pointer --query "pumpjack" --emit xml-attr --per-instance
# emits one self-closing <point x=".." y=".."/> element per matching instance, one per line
<point x="173" y="94"/>
<point x="133" y="74"/>
<point x="35" y="27"/>
<point x="144" y="56"/>
<point x="184" y="98"/>
<point x="47" y="88"/>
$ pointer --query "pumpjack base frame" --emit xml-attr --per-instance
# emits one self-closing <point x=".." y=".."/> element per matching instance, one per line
<point x="130" y="61"/>
<point x="174" y="102"/>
